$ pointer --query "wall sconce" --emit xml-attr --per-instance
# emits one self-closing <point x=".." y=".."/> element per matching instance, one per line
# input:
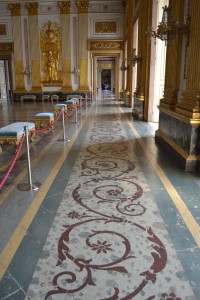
<point x="134" y="59"/>
<point x="123" y="66"/>
<point x="167" y="28"/>
<point x="26" y="72"/>
<point x="76" y="71"/>
<point x="141" y="96"/>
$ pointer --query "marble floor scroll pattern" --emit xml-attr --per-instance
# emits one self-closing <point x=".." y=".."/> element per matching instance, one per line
<point x="108" y="240"/>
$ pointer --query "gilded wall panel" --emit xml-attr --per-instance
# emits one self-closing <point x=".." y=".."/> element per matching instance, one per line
<point x="105" y="27"/>
<point x="66" y="66"/>
<point x="84" y="79"/>
<point x="3" y="30"/>
<point x="19" y="76"/>
<point x="105" y="45"/>
<point x="36" y="76"/>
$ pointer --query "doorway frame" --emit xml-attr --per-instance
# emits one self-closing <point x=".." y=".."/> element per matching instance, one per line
<point x="94" y="57"/>
<point x="6" y="51"/>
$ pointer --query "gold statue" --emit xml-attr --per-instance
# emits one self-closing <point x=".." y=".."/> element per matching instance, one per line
<point x="50" y="44"/>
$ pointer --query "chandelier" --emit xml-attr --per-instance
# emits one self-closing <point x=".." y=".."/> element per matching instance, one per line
<point x="167" y="28"/>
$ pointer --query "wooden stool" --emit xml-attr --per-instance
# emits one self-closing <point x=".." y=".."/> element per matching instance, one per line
<point x="45" y="97"/>
<point x="54" y="97"/>
<point x="58" y="107"/>
<point x="45" y="117"/>
<point x="13" y="132"/>
<point x="72" y="103"/>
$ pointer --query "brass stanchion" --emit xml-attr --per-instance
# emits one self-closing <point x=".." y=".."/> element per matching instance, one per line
<point x="63" y="125"/>
<point x="28" y="186"/>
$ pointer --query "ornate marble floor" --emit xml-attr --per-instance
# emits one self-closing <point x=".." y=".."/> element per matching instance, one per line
<point x="114" y="218"/>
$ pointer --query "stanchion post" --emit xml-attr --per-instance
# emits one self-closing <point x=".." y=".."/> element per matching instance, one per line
<point x="28" y="186"/>
<point x="63" y="126"/>
<point x="63" y="123"/>
<point x="81" y="104"/>
<point x="76" y="119"/>
<point x="86" y="102"/>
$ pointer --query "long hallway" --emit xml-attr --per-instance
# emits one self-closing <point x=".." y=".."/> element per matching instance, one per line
<point x="114" y="217"/>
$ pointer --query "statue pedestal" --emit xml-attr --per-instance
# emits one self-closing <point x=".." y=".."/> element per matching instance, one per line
<point x="53" y="88"/>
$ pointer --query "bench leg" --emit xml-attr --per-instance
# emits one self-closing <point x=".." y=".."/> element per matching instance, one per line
<point x="37" y="124"/>
<point x="32" y="136"/>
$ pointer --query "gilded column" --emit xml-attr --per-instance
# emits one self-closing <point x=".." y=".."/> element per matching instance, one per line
<point x="190" y="104"/>
<point x="140" y="109"/>
<point x="172" y="72"/>
<point x="129" y="50"/>
<point x="17" y="40"/>
<point x="34" y="46"/>
<point x="83" y="7"/>
<point x="66" y="45"/>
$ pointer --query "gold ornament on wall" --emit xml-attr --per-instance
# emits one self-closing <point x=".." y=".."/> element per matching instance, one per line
<point x="82" y="6"/>
<point x="50" y="44"/>
<point x="3" y="29"/>
<point x="15" y="9"/>
<point x="32" y="8"/>
<point x="64" y="7"/>
<point x="105" y="45"/>
<point x="105" y="27"/>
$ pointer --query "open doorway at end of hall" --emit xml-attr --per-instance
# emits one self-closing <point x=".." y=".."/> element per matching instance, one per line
<point x="106" y="79"/>
<point x="4" y="81"/>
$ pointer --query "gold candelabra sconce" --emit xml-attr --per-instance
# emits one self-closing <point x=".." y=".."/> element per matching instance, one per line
<point x="197" y="106"/>
<point x="123" y="67"/>
<point x="141" y="96"/>
<point x="168" y="29"/>
<point x="26" y="72"/>
<point x="134" y="59"/>
<point x="76" y="71"/>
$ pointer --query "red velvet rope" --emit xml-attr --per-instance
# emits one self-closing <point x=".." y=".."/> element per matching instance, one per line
<point x="13" y="161"/>
<point x="71" y="112"/>
<point x="22" y="140"/>
<point x="48" y="127"/>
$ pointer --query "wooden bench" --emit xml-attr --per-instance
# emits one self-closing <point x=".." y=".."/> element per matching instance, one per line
<point x="28" y="97"/>
<point x="58" y="107"/>
<point x="13" y="132"/>
<point x="44" y="117"/>
<point x="45" y="97"/>
<point x="54" y="97"/>
<point x="78" y="98"/>
<point x="72" y="103"/>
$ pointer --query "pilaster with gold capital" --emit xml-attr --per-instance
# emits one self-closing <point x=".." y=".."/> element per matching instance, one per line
<point x="82" y="6"/>
<point x="172" y="71"/>
<point x="15" y="9"/>
<point x="65" y="7"/>
<point x="189" y="104"/>
<point x="32" y="8"/>
<point x="17" y="41"/>
<point x="143" y="51"/>
<point x="34" y="45"/>
<point x="66" y="49"/>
